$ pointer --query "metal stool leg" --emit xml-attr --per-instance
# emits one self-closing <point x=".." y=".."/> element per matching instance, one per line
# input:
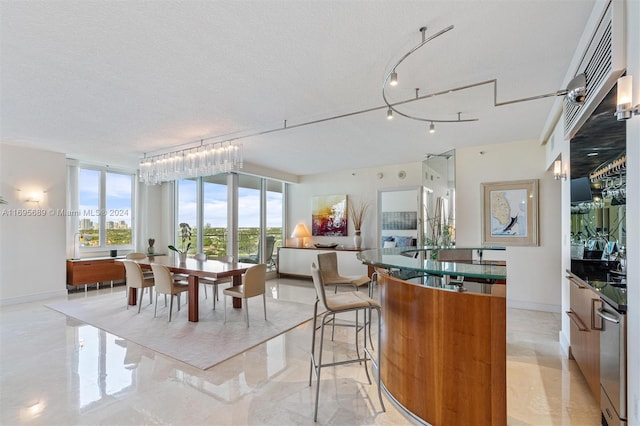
<point x="313" y="340"/>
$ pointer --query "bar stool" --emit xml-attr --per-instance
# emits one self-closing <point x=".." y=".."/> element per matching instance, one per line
<point x="328" y="265"/>
<point x="334" y="304"/>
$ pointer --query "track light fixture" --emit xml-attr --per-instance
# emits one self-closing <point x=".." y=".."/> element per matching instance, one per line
<point x="432" y="128"/>
<point x="394" y="79"/>
<point x="576" y="90"/>
<point x="389" y="114"/>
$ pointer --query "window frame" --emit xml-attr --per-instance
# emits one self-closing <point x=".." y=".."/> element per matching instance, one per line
<point x="102" y="206"/>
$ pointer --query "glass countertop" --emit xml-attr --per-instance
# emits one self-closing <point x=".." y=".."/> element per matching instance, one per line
<point x="419" y="260"/>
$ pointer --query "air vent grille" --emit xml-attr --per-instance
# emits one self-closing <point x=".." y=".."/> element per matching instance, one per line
<point x="602" y="63"/>
<point x="597" y="70"/>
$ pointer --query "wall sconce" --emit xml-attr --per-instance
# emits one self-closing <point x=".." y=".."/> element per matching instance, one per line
<point x="300" y="232"/>
<point x="624" y="108"/>
<point x="32" y="196"/>
<point x="557" y="171"/>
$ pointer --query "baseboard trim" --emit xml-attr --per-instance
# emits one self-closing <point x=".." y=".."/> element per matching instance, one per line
<point x="565" y="346"/>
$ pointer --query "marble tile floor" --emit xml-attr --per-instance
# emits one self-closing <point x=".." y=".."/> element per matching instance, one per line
<point x="58" y="371"/>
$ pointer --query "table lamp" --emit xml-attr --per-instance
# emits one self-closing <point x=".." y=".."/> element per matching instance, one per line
<point x="300" y="232"/>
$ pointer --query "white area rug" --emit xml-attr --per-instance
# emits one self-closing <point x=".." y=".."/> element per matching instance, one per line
<point x="202" y="344"/>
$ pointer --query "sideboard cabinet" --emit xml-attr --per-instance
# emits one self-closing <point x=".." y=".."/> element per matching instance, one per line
<point x="297" y="262"/>
<point x="94" y="270"/>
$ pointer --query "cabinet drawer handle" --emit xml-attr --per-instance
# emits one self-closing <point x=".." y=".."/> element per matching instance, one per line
<point x="576" y="320"/>
<point x="594" y="311"/>
<point x="607" y="316"/>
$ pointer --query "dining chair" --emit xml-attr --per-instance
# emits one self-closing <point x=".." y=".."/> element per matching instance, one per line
<point x="213" y="282"/>
<point x="333" y="304"/>
<point x="136" y="279"/>
<point x="165" y="284"/>
<point x="253" y="284"/>
<point x="139" y="256"/>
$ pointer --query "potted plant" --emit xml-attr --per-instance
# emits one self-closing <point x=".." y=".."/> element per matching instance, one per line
<point x="356" y="213"/>
<point x="185" y="238"/>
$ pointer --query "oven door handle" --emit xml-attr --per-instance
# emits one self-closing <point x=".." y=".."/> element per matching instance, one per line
<point x="607" y="316"/>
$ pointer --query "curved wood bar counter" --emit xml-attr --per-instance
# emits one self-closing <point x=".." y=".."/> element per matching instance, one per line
<point x="443" y="347"/>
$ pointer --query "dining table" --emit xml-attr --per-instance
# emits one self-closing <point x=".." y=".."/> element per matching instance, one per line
<point x="194" y="269"/>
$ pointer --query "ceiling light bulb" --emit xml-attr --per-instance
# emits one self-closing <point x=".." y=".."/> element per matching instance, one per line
<point x="432" y="128"/>
<point x="389" y="114"/>
<point x="394" y="79"/>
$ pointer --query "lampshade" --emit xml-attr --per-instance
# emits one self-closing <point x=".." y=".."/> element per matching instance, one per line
<point x="300" y="231"/>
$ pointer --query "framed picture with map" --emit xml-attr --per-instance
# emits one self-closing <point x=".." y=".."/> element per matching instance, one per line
<point x="510" y="213"/>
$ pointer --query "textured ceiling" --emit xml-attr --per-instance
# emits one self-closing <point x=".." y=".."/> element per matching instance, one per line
<point x="108" y="81"/>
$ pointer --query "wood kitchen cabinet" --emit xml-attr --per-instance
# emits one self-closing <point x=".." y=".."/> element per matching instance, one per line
<point x="585" y="332"/>
<point x="94" y="270"/>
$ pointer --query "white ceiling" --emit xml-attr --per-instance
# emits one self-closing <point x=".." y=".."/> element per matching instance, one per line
<point x="107" y="81"/>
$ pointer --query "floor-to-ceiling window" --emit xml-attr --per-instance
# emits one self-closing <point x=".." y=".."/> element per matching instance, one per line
<point x="259" y="214"/>
<point x="187" y="212"/>
<point x="275" y="216"/>
<point x="214" y="217"/>
<point x="248" y="215"/>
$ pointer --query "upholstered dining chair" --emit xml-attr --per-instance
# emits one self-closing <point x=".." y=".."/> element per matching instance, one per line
<point x="253" y="284"/>
<point x="139" y="256"/>
<point x="136" y="279"/>
<point x="165" y="284"/>
<point x="328" y="265"/>
<point x="335" y="304"/>
<point x="214" y="282"/>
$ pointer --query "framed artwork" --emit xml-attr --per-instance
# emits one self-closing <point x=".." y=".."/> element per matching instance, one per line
<point x="329" y="215"/>
<point x="510" y="213"/>
<point x="399" y="220"/>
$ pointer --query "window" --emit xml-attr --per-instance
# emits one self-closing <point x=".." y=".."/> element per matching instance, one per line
<point x="105" y="208"/>
<point x="187" y="202"/>
<point x="248" y="215"/>
<point x="214" y="217"/>
<point x="208" y="215"/>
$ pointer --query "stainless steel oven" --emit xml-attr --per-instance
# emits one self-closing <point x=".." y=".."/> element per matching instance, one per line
<point x="613" y="365"/>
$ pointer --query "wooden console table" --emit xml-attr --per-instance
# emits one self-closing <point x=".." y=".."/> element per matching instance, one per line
<point x="94" y="270"/>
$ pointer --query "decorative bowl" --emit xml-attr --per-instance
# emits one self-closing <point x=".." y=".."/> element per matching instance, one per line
<point x="329" y="245"/>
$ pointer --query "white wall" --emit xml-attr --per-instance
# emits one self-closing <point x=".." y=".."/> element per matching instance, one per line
<point x="533" y="281"/>
<point x="32" y="248"/>
<point x="359" y="185"/>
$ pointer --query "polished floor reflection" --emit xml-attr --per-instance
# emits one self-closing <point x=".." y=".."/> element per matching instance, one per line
<point x="57" y="370"/>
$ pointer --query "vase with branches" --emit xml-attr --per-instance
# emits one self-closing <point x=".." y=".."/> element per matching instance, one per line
<point x="357" y="213"/>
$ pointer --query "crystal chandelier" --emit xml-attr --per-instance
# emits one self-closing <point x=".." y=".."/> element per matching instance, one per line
<point x="203" y="160"/>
